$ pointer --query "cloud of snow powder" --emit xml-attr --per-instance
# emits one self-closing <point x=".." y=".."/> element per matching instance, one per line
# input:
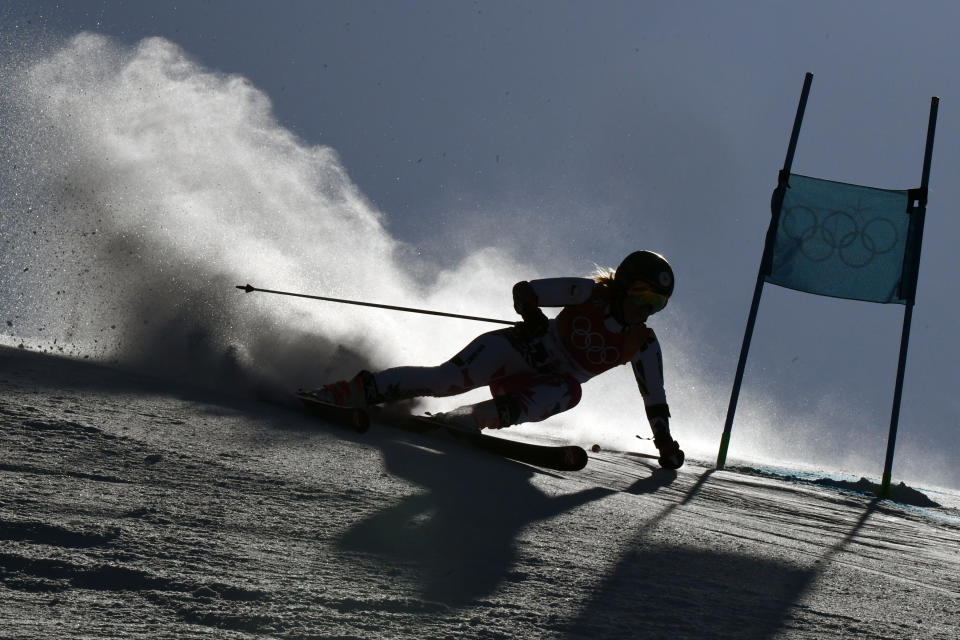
<point x="146" y="187"/>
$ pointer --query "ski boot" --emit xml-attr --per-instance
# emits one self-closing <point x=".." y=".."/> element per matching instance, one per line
<point x="357" y="393"/>
<point x="671" y="456"/>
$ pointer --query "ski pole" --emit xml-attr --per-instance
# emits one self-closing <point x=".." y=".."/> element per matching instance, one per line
<point x="250" y="288"/>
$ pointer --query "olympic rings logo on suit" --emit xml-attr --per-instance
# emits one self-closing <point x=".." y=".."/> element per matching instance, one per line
<point x="591" y="343"/>
<point x="840" y="232"/>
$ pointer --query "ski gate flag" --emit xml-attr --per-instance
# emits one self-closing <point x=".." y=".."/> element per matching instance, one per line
<point x="846" y="241"/>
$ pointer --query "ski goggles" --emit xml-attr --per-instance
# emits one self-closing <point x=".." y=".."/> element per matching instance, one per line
<point x="642" y="293"/>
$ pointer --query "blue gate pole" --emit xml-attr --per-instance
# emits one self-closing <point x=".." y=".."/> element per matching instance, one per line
<point x="916" y="235"/>
<point x="775" y="205"/>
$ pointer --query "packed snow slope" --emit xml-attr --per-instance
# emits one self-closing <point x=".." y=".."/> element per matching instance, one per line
<point x="134" y="508"/>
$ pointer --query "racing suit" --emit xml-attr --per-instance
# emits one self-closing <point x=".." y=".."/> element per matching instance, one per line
<point x="533" y="377"/>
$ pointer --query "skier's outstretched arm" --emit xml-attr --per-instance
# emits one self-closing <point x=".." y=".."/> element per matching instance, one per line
<point x="528" y="297"/>
<point x="648" y="371"/>
<point x="560" y="292"/>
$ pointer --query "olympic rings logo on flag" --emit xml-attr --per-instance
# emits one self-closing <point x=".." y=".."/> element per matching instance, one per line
<point x="840" y="233"/>
<point x="592" y="343"/>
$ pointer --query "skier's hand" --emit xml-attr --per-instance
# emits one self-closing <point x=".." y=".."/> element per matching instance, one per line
<point x="524" y="298"/>
<point x="535" y="322"/>
<point x="671" y="456"/>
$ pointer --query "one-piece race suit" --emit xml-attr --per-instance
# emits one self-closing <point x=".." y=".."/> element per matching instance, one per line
<point x="542" y="375"/>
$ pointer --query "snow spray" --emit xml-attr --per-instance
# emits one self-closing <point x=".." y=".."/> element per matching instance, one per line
<point x="142" y="188"/>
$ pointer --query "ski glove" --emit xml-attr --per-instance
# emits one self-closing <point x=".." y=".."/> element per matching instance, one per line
<point x="535" y="322"/>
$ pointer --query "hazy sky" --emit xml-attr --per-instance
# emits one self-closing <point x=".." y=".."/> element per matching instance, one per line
<point x="576" y="132"/>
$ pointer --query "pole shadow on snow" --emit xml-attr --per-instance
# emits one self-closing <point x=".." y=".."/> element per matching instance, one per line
<point x="670" y="591"/>
<point x="459" y="535"/>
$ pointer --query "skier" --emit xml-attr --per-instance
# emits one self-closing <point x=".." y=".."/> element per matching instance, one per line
<point x="535" y="369"/>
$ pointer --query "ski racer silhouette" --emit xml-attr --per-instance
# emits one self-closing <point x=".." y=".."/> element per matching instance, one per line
<point x="535" y="369"/>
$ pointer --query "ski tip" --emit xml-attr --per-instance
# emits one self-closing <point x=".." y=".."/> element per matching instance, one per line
<point x="247" y="287"/>
<point x="576" y="458"/>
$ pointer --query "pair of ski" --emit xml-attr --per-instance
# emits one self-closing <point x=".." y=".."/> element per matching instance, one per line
<point x="559" y="457"/>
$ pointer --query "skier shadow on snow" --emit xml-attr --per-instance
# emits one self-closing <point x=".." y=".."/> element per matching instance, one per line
<point x="460" y="533"/>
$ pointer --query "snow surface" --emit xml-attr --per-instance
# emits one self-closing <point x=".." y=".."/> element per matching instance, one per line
<point x="134" y="508"/>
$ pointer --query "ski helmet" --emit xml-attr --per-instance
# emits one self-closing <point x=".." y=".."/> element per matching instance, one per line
<point x="648" y="267"/>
